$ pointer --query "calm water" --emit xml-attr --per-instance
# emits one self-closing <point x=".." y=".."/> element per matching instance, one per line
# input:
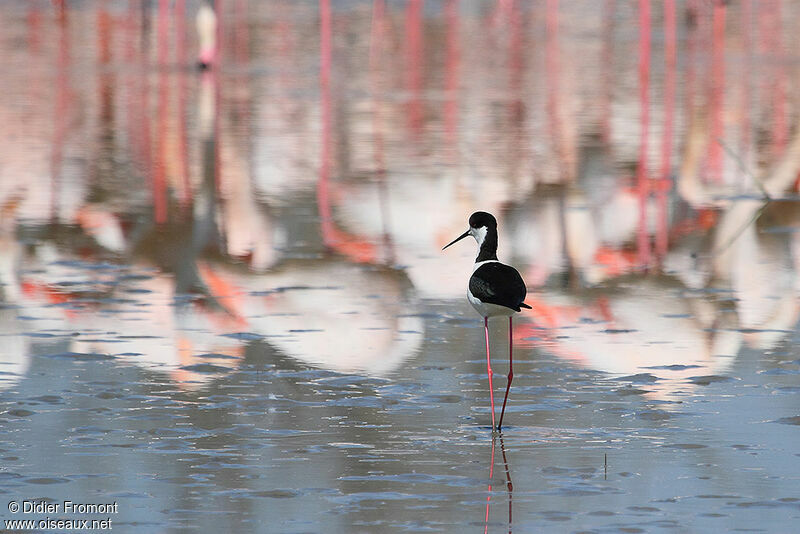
<point x="225" y="307"/>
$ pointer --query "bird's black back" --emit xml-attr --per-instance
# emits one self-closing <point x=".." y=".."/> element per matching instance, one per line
<point x="497" y="283"/>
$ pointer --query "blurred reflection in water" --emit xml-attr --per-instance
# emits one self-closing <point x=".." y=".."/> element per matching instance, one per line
<point x="290" y="199"/>
<point x="221" y="180"/>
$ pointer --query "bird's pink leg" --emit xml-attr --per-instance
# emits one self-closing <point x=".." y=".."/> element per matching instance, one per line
<point x="510" y="372"/>
<point x="489" y="367"/>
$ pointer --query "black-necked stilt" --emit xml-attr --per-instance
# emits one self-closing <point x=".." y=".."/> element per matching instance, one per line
<point x="495" y="290"/>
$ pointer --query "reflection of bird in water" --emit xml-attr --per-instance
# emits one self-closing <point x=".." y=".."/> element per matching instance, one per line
<point x="16" y="359"/>
<point x="649" y="326"/>
<point x="509" y="485"/>
<point x="331" y="314"/>
<point x="495" y="290"/>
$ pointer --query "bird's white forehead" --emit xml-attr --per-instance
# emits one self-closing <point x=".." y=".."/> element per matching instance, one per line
<point x="479" y="234"/>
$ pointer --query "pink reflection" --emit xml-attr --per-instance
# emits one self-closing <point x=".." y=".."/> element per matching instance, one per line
<point x="664" y="184"/>
<point x="61" y="111"/>
<point x="717" y="91"/>
<point x="642" y="178"/>
<point x="517" y="136"/>
<point x="415" y="62"/>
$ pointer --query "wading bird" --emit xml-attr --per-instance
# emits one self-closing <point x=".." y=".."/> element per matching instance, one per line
<point x="495" y="290"/>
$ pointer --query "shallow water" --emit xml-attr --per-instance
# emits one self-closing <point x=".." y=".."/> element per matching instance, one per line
<point x="225" y="307"/>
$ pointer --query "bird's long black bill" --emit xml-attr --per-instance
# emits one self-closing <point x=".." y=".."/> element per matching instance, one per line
<point x="456" y="240"/>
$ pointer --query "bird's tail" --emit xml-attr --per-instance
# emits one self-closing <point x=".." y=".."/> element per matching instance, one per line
<point x="523" y="305"/>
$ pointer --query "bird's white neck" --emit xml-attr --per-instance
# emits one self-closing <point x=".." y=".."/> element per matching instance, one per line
<point x="487" y="243"/>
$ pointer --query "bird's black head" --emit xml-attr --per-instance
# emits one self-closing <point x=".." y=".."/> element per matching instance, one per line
<point x="480" y="219"/>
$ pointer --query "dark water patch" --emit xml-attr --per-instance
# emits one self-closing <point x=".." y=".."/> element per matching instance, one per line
<point x="762" y="330"/>
<point x="20" y="412"/>
<point x="107" y="395"/>
<point x="552" y="515"/>
<point x="619" y="331"/>
<point x="244" y="336"/>
<point x="706" y="380"/>
<point x="584" y="489"/>
<point x="276" y="494"/>
<point x="81" y="356"/>
<point x="347" y="445"/>
<point x="206" y="368"/>
<point x="362" y="402"/>
<point x="757" y="504"/>
<point x="364" y="497"/>
<point x="216" y="356"/>
<point x="789" y="420"/>
<point x="90" y="430"/>
<point x="685" y="446"/>
<point x="780" y="372"/>
<point x="48" y="399"/>
<point x="46" y="480"/>
<point x="641" y="378"/>
<point x="654" y="415"/>
<point x="630" y="391"/>
<point x="443" y="398"/>
<point x="415" y="478"/>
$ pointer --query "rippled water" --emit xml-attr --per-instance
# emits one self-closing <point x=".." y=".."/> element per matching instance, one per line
<point x="225" y="307"/>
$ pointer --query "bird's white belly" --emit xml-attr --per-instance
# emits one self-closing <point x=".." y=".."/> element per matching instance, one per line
<point x="488" y="310"/>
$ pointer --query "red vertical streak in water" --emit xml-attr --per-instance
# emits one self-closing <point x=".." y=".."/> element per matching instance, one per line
<point x="183" y="143"/>
<point x="515" y="60"/>
<point x="669" y="112"/>
<point x="780" y="131"/>
<point x="61" y="110"/>
<point x="323" y="200"/>
<point x="34" y="28"/>
<point x="552" y="60"/>
<point x="746" y="80"/>
<point x="608" y="68"/>
<point x="375" y="57"/>
<point x="141" y="115"/>
<point x="376" y="54"/>
<point x="242" y="51"/>
<point x="215" y="73"/>
<point x="643" y="242"/>
<point x="693" y="12"/>
<point x="414" y="61"/>
<point x="242" y="34"/>
<point x="160" y="170"/>
<point x="717" y="90"/>
<point x="375" y="73"/>
<point x="132" y="79"/>
<point x="451" y="74"/>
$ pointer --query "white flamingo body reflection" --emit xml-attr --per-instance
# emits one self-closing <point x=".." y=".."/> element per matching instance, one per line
<point x="495" y="290"/>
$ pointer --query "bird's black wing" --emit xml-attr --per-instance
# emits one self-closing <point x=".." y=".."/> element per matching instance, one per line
<point x="497" y="283"/>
